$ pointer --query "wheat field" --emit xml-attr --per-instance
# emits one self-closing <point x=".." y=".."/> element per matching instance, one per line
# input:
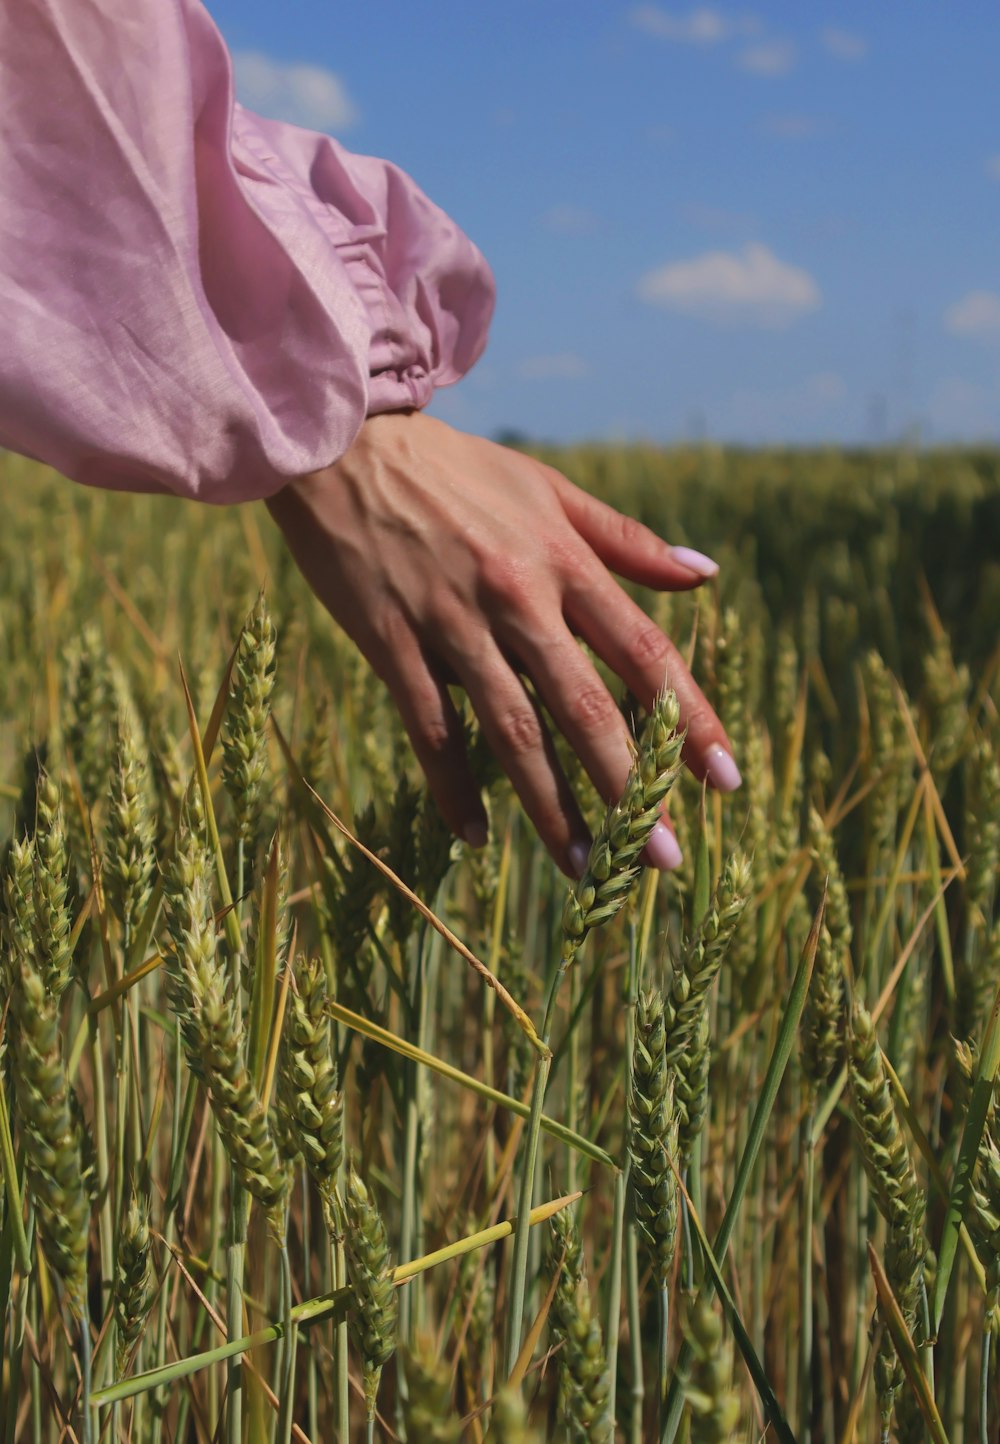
<point x="316" y="1124"/>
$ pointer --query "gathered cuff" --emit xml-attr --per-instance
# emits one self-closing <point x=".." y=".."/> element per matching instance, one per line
<point x="397" y="390"/>
<point x="426" y="289"/>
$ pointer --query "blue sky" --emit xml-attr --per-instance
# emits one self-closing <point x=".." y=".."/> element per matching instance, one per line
<point x="771" y="223"/>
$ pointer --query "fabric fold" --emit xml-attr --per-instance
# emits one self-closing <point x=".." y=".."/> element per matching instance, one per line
<point x="196" y="300"/>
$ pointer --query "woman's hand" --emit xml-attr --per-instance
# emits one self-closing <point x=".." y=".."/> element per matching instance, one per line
<point x="448" y="558"/>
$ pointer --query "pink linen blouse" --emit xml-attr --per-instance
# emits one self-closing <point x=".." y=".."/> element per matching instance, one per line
<point x="193" y="299"/>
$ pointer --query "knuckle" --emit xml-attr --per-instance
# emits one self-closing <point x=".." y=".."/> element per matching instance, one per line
<point x="631" y="533"/>
<point x="425" y="720"/>
<point x="649" y="647"/>
<point x="563" y="552"/>
<point x="433" y="736"/>
<point x="552" y="474"/>
<point x="503" y="580"/>
<point x="520" y="731"/>
<point x="594" y="708"/>
<point x="698" y="717"/>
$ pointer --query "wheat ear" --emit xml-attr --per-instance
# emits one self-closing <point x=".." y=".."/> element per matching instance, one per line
<point x="613" y="864"/>
<point x="652" y="1138"/>
<point x="713" y="1405"/>
<point x="212" y="1030"/>
<point x="134" y="1281"/>
<point x="49" y="1121"/>
<point x="428" y="1409"/>
<point x="244" y="755"/>
<point x="374" y="1315"/>
<point x="897" y="1193"/>
<point x="308" y="1096"/>
<point x="583" y="1375"/>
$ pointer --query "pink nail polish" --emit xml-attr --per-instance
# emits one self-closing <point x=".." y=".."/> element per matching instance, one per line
<point x="579" y="855"/>
<point x="695" y="561"/>
<point x="662" y="849"/>
<point x="475" y="834"/>
<point x="722" y="770"/>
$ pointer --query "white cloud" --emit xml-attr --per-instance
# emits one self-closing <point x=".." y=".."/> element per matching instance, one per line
<point x="569" y="220"/>
<point x="770" y="58"/>
<point x="702" y="26"/>
<point x="844" y="44"/>
<point x="564" y="366"/>
<point x="993" y="167"/>
<point x="749" y="287"/>
<point x="303" y="94"/>
<point x="977" y="314"/>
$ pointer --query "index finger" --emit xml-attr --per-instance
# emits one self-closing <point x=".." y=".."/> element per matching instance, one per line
<point x="645" y="659"/>
<point x="626" y="546"/>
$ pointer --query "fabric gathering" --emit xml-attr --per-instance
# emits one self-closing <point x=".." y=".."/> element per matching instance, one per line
<point x="197" y="300"/>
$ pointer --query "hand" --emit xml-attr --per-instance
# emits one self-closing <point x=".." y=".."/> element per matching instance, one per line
<point x="450" y="559"/>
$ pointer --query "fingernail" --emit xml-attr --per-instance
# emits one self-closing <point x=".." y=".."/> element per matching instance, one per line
<point x="695" y="561"/>
<point x="722" y="770"/>
<point x="662" y="850"/>
<point x="475" y="834"/>
<point x="579" y="853"/>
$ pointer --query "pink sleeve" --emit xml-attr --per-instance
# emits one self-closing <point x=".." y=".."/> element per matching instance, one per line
<point x="194" y="300"/>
